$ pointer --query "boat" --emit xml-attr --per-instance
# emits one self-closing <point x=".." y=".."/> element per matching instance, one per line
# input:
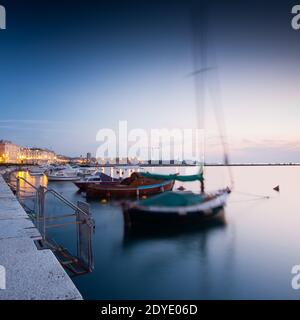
<point x="36" y="174"/>
<point x="37" y="171"/>
<point x="182" y="208"/>
<point x="87" y="171"/>
<point x="96" y="178"/>
<point x="176" y="207"/>
<point x="136" y="186"/>
<point x="55" y="167"/>
<point x="62" y="174"/>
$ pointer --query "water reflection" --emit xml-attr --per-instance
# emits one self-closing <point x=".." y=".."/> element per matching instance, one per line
<point x="25" y="188"/>
<point x="143" y="233"/>
<point x="164" y="261"/>
<point x="185" y="263"/>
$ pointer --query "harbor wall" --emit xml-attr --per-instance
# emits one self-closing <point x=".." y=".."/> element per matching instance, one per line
<point x="30" y="274"/>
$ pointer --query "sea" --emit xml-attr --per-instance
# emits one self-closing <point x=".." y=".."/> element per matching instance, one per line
<point x="250" y="256"/>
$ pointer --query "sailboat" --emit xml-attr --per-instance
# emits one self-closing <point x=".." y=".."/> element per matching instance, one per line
<point x="176" y="207"/>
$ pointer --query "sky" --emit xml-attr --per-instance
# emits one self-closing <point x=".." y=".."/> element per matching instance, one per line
<point x="70" y="68"/>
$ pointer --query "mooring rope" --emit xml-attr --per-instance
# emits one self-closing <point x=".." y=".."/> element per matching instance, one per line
<point x="259" y="196"/>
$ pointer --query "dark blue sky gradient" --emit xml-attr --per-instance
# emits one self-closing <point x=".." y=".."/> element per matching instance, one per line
<point x="70" y="68"/>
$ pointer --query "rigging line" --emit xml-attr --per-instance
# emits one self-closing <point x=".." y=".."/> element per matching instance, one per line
<point x="219" y="114"/>
<point x="199" y="66"/>
<point x="205" y="69"/>
<point x="252" y="194"/>
<point x="246" y="200"/>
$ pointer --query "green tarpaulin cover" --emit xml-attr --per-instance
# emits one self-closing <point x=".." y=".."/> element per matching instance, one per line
<point x="173" y="199"/>
<point x="189" y="178"/>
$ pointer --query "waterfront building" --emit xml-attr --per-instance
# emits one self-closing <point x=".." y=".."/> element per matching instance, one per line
<point x="88" y="157"/>
<point x="9" y="152"/>
<point x="62" y="159"/>
<point x="77" y="160"/>
<point x="37" y="156"/>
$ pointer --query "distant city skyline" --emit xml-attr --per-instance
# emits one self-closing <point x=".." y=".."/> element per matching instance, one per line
<point x="69" y="69"/>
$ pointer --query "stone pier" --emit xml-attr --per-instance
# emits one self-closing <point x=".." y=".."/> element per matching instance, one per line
<point x="30" y="273"/>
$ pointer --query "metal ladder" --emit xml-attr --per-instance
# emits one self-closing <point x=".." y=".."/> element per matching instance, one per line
<point x="85" y="225"/>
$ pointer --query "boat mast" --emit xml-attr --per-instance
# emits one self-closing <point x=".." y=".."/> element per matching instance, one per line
<point x="200" y="68"/>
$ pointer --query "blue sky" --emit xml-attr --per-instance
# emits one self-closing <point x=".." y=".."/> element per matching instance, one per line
<point x="70" y="68"/>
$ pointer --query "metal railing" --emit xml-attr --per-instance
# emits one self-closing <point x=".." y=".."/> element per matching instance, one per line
<point x="52" y="191"/>
<point x="84" y="222"/>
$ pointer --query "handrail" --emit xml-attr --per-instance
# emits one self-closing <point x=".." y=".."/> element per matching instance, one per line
<point x="63" y="199"/>
<point x="56" y="194"/>
<point x="34" y="187"/>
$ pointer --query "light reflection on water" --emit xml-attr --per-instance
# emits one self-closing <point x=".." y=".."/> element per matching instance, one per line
<point x="25" y="188"/>
<point x="250" y="257"/>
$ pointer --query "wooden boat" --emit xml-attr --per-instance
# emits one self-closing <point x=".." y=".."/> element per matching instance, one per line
<point x="175" y="208"/>
<point x="97" y="178"/>
<point x="136" y="186"/>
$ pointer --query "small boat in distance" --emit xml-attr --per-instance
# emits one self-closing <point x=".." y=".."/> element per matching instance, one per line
<point x="37" y="171"/>
<point x="136" y="186"/>
<point x="96" y="178"/>
<point x="62" y="176"/>
<point x="86" y="172"/>
<point x="65" y="174"/>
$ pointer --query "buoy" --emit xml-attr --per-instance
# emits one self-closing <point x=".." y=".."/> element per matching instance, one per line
<point x="103" y="201"/>
<point x="277" y="188"/>
<point x="144" y="197"/>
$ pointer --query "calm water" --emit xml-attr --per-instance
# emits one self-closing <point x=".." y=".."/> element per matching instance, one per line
<point x="249" y="258"/>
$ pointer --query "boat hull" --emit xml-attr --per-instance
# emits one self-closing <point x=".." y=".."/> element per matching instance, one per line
<point x="151" y="217"/>
<point x="135" y="217"/>
<point x="98" y="179"/>
<point x="83" y="186"/>
<point x="117" y="191"/>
